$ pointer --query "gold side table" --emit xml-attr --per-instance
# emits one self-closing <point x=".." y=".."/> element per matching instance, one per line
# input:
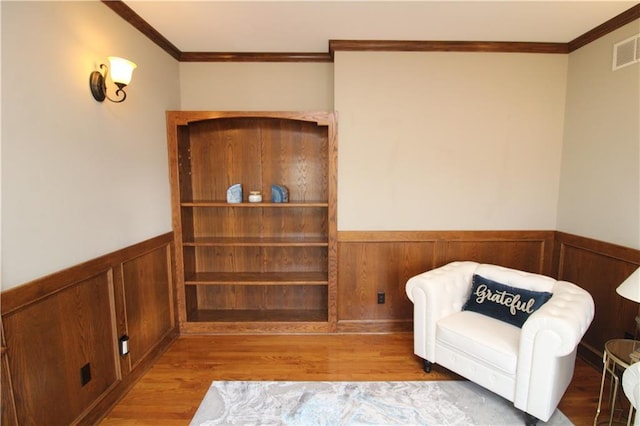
<point x="616" y="355"/>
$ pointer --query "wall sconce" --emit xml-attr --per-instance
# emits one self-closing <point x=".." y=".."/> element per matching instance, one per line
<point x="121" y="71"/>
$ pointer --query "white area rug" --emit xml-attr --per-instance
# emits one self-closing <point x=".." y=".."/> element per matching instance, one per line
<point x="357" y="403"/>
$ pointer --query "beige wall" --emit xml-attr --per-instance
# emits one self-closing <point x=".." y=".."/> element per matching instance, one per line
<point x="79" y="178"/>
<point x="427" y="140"/>
<point x="600" y="181"/>
<point x="256" y="86"/>
<point x="441" y="141"/>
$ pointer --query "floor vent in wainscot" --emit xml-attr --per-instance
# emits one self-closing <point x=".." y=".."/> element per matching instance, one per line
<point x="626" y="52"/>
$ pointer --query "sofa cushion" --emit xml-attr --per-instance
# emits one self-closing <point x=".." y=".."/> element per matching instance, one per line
<point x="493" y="343"/>
<point x="509" y="304"/>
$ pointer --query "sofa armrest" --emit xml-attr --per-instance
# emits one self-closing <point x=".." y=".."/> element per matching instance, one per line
<point x="435" y="294"/>
<point x="548" y="343"/>
<point x="447" y="287"/>
<point x="568" y="314"/>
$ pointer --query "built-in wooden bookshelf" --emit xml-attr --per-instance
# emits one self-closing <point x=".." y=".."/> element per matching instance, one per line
<point x="252" y="267"/>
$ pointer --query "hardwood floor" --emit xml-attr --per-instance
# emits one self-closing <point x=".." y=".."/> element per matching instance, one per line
<point x="171" y="391"/>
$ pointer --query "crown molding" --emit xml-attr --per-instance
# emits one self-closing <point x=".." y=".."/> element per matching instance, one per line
<point x="605" y="28"/>
<point x="444" y="46"/>
<point x="253" y="57"/>
<point x="126" y="13"/>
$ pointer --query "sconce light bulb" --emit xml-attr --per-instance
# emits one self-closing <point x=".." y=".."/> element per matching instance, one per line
<point x="121" y="70"/>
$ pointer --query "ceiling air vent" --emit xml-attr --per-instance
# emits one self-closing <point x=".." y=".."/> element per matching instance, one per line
<point x="626" y="52"/>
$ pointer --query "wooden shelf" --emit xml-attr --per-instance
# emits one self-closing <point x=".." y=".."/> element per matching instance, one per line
<point x="292" y="204"/>
<point x="257" y="278"/>
<point x="254" y="315"/>
<point x="257" y="242"/>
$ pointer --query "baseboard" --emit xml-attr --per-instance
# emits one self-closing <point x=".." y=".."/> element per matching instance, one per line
<point x="590" y="355"/>
<point x="375" y="326"/>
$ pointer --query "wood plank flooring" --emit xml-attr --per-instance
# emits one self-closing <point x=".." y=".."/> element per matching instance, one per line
<point x="171" y="391"/>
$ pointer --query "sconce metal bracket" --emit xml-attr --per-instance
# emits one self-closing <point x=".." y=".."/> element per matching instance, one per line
<point x="97" y="85"/>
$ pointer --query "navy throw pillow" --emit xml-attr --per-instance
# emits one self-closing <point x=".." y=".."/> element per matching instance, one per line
<point x="509" y="304"/>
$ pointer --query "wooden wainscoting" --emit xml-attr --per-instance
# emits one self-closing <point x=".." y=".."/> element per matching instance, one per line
<point x="599" y="268"/>
<point x="373" y="262"/>
<point x="56" y="325"/>
<point x="61" y="334"/>
<point x="8" y="403"/>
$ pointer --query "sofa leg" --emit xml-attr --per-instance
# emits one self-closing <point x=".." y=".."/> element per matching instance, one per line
<point x="530" y="420"/>
<point x="427" y="366"/>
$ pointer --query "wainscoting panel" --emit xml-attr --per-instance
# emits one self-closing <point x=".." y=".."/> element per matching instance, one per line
<point x="61" y="334"/>
<point x="7" y="402"/>
<point x="599" y="268"/>
<point x="149" y="301"/>
<point x="368" y="268"/>
<point x="519" y="254"/>
<point x="371" y="262"/>
<point x="66" y="332"/>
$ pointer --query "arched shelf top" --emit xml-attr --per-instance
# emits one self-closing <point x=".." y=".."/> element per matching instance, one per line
<point x="181" y="118"/>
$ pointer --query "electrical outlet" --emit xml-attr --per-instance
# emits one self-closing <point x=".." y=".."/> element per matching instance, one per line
<point x="124" y="345"/>
<point x="85" y="374"/>
<point x="381" y="298"/>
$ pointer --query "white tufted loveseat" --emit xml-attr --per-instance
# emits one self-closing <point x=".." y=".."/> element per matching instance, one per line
<point x="531" y="366"/>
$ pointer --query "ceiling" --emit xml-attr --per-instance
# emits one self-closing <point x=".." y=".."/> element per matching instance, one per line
<point x="307" y="26"/>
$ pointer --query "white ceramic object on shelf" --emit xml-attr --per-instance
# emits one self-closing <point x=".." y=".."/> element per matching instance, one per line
<point x="255" y="197"/>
